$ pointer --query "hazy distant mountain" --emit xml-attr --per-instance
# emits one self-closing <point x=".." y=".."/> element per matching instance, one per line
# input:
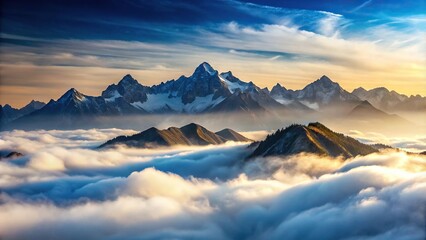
<point x="319" y="93"/>
<point x="74" y="103"/>
<point x="313" y="138"/>
<point x="191" y="134"/>
<point x="238" y="101"/>
<point x="8" y="113"/>
<point x="365" y="110"/>
<point x="31" y="107"/>
<point x="412" y="103"/>
<point x="387" y="100"/>
<point x="380" y="97"/>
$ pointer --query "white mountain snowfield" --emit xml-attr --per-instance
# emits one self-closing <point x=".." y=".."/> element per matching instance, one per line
<point x="162" y="102"/>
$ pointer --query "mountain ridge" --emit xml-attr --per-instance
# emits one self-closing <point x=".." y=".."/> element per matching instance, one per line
<point x="313" y="138"/>
<point x="205" y="91"/>
<point x="188" y="135"/>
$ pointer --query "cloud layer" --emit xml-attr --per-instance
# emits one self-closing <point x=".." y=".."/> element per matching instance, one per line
<point x="69" y="190"/>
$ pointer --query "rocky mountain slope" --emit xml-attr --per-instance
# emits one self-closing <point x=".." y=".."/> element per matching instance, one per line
<point x="314" y="138"/>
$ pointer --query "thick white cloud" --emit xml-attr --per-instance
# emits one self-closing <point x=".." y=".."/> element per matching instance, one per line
<point x="70" y="191"/>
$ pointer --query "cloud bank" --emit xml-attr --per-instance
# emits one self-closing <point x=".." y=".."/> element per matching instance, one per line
<point x="69" y="190"/>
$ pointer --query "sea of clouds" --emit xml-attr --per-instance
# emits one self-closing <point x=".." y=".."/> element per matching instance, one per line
<point x="66" y="188"/>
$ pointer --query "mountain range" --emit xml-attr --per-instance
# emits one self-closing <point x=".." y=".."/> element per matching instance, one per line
<point x="191" y="134"/>
<point x="205" y="91"/>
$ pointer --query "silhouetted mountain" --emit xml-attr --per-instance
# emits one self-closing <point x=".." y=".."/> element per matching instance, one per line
<point x="313" y="138"/>
<point x="8" y="113"/>
<point x="365" y="110"/>
<point x="31" y="107"/>
<point x="191" y="134"/>
<point x="10" y="155"/>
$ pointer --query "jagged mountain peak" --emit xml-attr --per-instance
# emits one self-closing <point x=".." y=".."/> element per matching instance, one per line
<point x="359" y="89"/>
<point x="325" y="81"/>
<point x="230" y="77"/>
<point x="226" y="75"/>
<point x="278" y="87"/>
<point x="35" y="103"/>
<point x="7" y="106"/>
<point x="204" y="69"/>
<point x="72" y="93"/>
<point x="127" y="80"/>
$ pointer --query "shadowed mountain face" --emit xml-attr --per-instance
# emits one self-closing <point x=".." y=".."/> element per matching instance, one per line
<point x="365" y="109"/>
<point x="10" y="155"/>
<point x="8" y="113"/>
<point x="313" y="138"/>
<point x="191" y="134"/>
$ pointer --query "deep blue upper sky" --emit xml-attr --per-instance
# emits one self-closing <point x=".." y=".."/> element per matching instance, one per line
<point x="154" y="20"/>
<point x="89" y="44"/>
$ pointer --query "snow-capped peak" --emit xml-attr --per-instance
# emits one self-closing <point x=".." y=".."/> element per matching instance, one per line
<point x="72" y="93"/>
<point x="226" y="75"/>
<point x="208" y="68"/>
<point x="204" y="68"/>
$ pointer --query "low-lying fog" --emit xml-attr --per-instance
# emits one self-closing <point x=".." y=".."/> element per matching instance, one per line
<point x="63" y="188"/>
<point x="403" y="124"/>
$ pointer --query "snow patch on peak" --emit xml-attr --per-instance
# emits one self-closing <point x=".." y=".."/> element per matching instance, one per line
<point x="233" y="85"/>
<point x="204" y="68"/>
<point x="113" y="96"/>
<point x="72" y="93"/>
<point x="226" y="75"/>
<point x="208" y="68"/>
<point x="159" y="102"/>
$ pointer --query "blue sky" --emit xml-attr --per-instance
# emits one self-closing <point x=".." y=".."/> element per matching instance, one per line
<point x="90" y="44"/>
